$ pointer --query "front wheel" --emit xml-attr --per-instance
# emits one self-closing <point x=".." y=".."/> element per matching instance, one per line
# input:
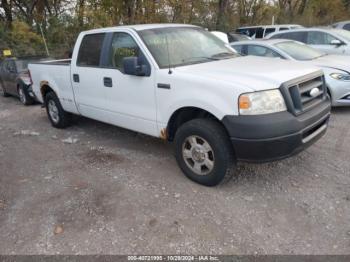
<point x="204" y="152"/>
<point x="58" y="117"/>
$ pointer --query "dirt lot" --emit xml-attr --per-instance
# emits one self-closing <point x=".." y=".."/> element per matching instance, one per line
<point x="99" y="189"/>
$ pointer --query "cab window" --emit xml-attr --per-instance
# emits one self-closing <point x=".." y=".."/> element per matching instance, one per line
<point x="123" y="45"/>
<point x="259" y="32"/>
<point x="90" y="50"/>
<point x="269" y="31"/>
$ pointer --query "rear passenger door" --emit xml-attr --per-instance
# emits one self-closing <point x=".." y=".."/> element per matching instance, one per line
<point x="87" y="78"/>
<point x="323" y="41"/>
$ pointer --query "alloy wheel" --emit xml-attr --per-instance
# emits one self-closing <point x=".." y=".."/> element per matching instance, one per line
<point x="198" y="155"/>
<point x="22" y="96"/>
<point x="53" y="111"/>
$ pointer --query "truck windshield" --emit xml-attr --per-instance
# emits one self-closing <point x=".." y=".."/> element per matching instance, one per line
<point x="179" y="46"/>
<point x="299" y="51"/>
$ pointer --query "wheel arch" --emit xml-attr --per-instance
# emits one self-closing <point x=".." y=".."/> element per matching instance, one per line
<point x="45" y="88"/>
<point x="185" y="114"/>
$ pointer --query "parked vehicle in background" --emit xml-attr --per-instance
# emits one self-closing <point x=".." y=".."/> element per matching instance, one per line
<point x="335" y="67"/>
<point x="230" y="37"/>
<point x="183" y="84"/>
<point x="221" y="35"/>
<point x="234" y="37"/>
<point x="256" y="32"/>
<point x="328" y="40"/>
<point x="342" y="25"/>
<point x="15" y="79"/>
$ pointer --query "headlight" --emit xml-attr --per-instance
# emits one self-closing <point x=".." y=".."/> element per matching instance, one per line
<point x="264" y="102"/>
<point x="340" y="76"/>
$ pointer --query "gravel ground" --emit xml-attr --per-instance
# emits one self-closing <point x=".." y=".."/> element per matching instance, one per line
<point x="99" y="189"/>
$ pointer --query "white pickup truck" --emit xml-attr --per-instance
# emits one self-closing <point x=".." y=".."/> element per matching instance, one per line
<point x="182" y="84"/>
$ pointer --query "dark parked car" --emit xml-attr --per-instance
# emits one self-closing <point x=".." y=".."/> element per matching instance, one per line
<point x="15" y="79"/>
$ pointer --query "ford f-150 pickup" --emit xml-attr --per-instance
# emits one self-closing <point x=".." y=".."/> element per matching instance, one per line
<point x="183" y="84"/>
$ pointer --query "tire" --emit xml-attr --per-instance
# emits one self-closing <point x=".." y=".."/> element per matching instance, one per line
<point x="2" y="91"/>
<point x="24" y="96"/>
<point x="55" y="112"/>
<point x="205" y="165"/>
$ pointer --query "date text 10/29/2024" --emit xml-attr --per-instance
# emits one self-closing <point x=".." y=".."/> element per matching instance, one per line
<point x="173" y="258"/>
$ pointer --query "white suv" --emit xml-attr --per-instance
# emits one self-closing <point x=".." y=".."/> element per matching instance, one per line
<point x="328" y="40"/>
<point x="265" y="30"/>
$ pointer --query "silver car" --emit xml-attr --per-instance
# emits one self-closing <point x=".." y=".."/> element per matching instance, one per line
<point x="342" y="25"/>
<point x="336" y="67"/>
<point x="328" y="40"/>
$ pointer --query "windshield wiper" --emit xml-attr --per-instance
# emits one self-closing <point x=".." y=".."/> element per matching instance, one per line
<point x="223" y="55"/>
<point x="199" y="57"/>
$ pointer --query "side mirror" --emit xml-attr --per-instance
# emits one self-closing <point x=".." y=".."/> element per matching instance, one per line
<point x="336" y="42"/>
<point x="132" y="67"/>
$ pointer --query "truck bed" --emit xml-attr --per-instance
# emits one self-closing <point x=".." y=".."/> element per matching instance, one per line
<point x="55" y="74"/>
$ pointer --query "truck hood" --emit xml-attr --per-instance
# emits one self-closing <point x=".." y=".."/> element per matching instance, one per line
<point x="332" y="61"/>
<point x="252" y="73"/>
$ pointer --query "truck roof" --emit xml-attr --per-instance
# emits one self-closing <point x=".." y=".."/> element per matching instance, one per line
<point x="139" y="27"/>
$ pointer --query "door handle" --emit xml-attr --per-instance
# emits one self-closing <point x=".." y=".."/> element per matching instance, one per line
<point x="76" y="78"/>
<point x="107" y="81"/>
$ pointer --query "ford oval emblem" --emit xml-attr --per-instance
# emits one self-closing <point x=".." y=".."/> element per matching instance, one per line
<point x="315" y="92"/>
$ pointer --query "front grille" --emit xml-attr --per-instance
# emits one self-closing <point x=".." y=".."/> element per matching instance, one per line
<point x="302" y="94"/>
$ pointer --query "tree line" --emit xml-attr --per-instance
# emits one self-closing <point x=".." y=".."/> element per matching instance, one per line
<point x="23" y="22"/>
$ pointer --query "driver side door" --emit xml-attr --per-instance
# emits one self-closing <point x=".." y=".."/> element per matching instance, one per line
<point x="130" y="99"/>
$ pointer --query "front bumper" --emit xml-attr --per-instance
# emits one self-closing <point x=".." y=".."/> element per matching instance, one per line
<point x="276" y="136"/>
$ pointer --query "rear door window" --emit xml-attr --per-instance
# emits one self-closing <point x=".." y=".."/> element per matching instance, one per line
<point x="347" y="27"/>
<point x="319" y="38"/>
<point x="11" y="67"/>
<point x="256" y="50"/>
<point x="90" y="50"/>
<point x="297" y="36"/>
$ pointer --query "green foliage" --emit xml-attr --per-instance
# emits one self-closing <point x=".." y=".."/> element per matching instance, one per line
<point x="62" y="20"/>
<point x="21" y="39"/>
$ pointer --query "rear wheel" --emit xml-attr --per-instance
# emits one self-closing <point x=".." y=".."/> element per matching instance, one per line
<point x="3" y="91"/>
<point x="24" y="97"/>
<point x="204" y="152"/>
<point x="58" y="117"/>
